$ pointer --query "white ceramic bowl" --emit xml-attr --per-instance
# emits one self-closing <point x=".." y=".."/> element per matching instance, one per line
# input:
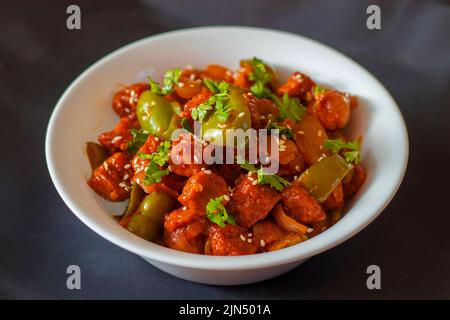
<point x="84" y="111"/>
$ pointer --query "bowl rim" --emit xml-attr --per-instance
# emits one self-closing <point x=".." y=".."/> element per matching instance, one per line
<point x="162" y="254"/>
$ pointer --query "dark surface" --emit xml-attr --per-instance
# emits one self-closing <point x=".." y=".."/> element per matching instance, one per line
<point x="39" y="237"/>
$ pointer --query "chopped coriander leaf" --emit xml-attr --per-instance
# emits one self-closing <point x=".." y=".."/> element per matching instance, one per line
<point x="170" y="79"/>
<point x="319" y="90"/>
<point x="350" y="149"/>
<point x="139" y="138"/>
<point x="291" y="108"/>
<point x="260" y="76"/>
<point x="217" y="213"/>
<point x="219" y="99"/>
<point x="211" y="85"/>
<point x="159" y="158"/>
<point x="201" y="111"/>
<point x="154" y="174"/>
<point x="276" y="182"/>
<point x="282" y="130"/>
<point x="272" y="180"/>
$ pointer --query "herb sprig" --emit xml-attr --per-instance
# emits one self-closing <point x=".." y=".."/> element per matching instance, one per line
<point x="170" y="79"/>
<point x="276" y="182"/>
<point x="158" y="159"/>
<point x="139" y="138"/>
<point x="281" y="129"/>
<point x="290" y="108"/>
<point x="350" y="149"/>
<point x="220" y="100"/>
<point x="217" y="213"/>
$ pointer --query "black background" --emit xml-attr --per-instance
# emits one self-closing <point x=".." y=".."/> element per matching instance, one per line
<point x="39" y="237"/>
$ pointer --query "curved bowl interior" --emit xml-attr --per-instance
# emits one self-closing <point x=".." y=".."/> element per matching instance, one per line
<point x="84" y="111"/>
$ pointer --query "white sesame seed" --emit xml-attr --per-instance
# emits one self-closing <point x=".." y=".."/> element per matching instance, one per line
<point x="127" y="166"/>
<point x="249" y="234"/>
<point x="262" y="243"/>
<point x="184" y="208"/>
<point x="123" y="185"/>
<point x="126" y="176"/>
<point x="181" y="84"/>
<point x="255" y="182"/>
<point x="295" y="178"/>
<point x="156" y="139"/>
<point x="297" y="168"/>
<point x="249" y="240"/>
<point x="320" y="147"/>
<point x="283" y="137"/>
<point x="319" y="133"/>
<point x="116" y="138"/>
<point x="242" y="237"/>
<point x="262" y="117"/>
<point x="207" y="171"/>
<point x="226" y="197"/>
<point x="127" y="110"/>
<point x="251" y="179"/>
<point x="138" y="181"/>
<point x="309" y="230"/>
<point x="300" y="132"/>
<point x="240" y="115"/>
<point x="192" y="76"/>
<point x="202" y="169"/>
<point x="249" y="173"/>
<point x="282" y="142"/>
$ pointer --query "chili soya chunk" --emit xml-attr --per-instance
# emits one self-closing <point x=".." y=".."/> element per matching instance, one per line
<point x="170" y="184"/>
<point x="179" y="218"/>
<point x="110" y="180"/>
<point x="241" y="77"/>
<point x="118" y="138"/>
<point x="297" y="85"/>
<point x="200" y="188"/>
<point x="335" y="200"/>
<point x="267" y="231"/>
<point x="182" y="156"/>
<point x="333" y="110"/>
<point x="188" y="238"/>
<point x="261" y="110"/>
<point x="150" y="146"/>
<point x="194" y="103"/>
<point x="233" y="240"/>
<point x="251" y="203"/>
<point x="353" y="181"/>
<point x="300" y="205"/>
<point x="125" y="101"/>
<point x="218" y="73"/>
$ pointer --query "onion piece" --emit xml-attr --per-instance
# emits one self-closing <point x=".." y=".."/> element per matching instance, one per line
<point x="287" y="223"/>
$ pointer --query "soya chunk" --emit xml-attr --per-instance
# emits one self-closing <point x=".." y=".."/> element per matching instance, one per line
<point x="118" y="138"/>
<point x="232" y="240"/>
<point x="183" y="154"/>
<point x="252" y="202"/>
<point x="265" y="232"/>
<point x="300" y="205"/>
<point x="200" y="188"/>
<point x="125" y="101"/>
<point x="297" y="85"/>
<point x="111" y="180"/>
<point x="189" y="238"/>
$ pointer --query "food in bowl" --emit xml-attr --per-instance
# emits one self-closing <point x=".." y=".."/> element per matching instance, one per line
<point x="157" y="157"/>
